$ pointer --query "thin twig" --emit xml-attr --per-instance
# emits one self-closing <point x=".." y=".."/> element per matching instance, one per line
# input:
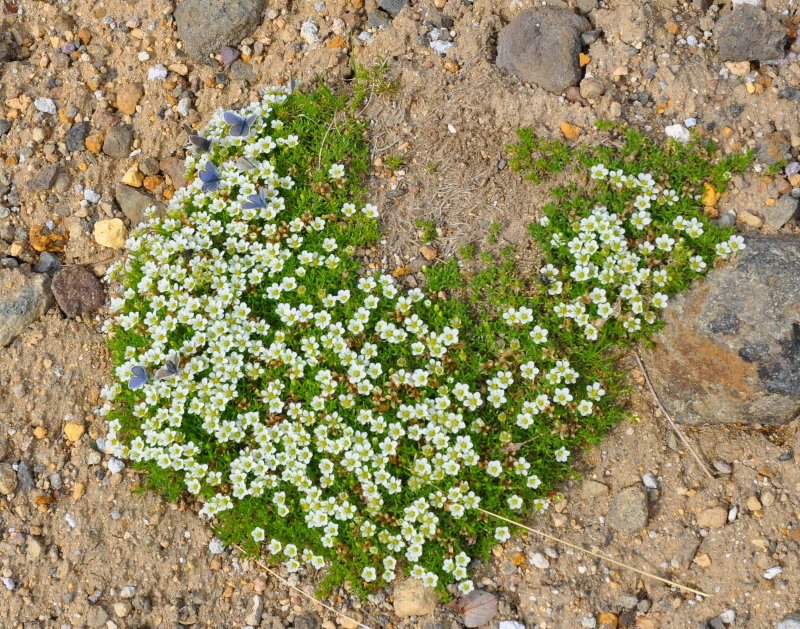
<point x="299" y="591"/>
<point x="670" y="421"/>
<point x="595" y="554"/>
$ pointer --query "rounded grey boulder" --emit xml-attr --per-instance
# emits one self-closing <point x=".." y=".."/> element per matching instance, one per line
<point x="541" y="46"/>
<point x="730" y="349"/>
<point x="205" y="26"/>
<point x="749" y="33"/>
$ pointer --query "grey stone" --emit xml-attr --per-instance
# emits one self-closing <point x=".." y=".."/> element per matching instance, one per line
<point x="76" y="137"/>
<point x="23" y="299"/>
<point x="118" y="141"/>
<point x="142" y="603"/>
<point x="431" y="15"/>
<point x="749" y="33"/>
<point x="24" y="476"/>
<point x="392" y="7"/>
<point x="243" y="71"/>
<point x="5" y="52"/>
<point x="781" y="213"/>
<point x="586" y="6"/>
<point x="149" y="165"/>
<point x="133" y="202"/>
<point x="227" y="55"/>
<point x="205" y="26"/>
<point x="8" y="479"/>
<point x="792" y="621"/>
<point x="307" y="620"/>
<point x="78" y="291"/>
<point x="44" y="179"/>
<point x="716" y="623"/>
<point x="256" y="609"/>
<point x="96" y="617"/>
<point x="592" y="88"/>
<point x="47" y="263"/>
<point x="5" y="126"/>
<point x="789" y="93"/>
<point x="541" y="46"/>
<point x="773" y="148"/>
<point x="730" y="348"/>
<point x="627" y="601"/>
<point x="627" y="513"/>
<point x="378" y="18"/>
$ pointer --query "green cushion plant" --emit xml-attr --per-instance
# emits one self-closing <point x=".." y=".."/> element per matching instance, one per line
<point x="331" y="420"/>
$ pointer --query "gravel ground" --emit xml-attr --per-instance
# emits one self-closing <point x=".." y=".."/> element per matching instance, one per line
<point x="94" y="95"/>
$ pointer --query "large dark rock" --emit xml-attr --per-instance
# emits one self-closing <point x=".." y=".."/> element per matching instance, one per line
<point x="205" y="26"/>
<point x="78" y="291"/>
<point x="749" y="33"/>
<point x="730" y="349"/>
<point x="23" y="299"/>
<point x="541" y="46"/>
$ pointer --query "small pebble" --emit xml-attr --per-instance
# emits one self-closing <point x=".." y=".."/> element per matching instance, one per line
<point x="115" y="466"/>
<point x="728" y="616"/>
<point x="215" y="546"/>
<point x="538" y="560"/>
<point x="650" y="481"/>
<point x="9" y="583"/>
<point x="143" y="55"/>
<point x="773" y="572"/>
<point x="45" y="105"/>
<point x="157" y="73"/>
<point x="91" y="196"/>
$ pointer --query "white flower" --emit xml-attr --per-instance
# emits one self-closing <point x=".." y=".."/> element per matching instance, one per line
<point x="515" y="502"/>
<point x="494" y="468"/>
<point x="336" y="171"/>
<point x="257" y="534"/>
<point x="501" y="533"/>
<point x="598" y="171"/>
<point x="562" y="454"/>
<point x="369" y="574"/>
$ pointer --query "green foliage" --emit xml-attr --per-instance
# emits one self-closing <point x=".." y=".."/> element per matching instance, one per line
<point x="428" y="228"/>
<point x="528" y="377"/>
<point x="393" y="161"/>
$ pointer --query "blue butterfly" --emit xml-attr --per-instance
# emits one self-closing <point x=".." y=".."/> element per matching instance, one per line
<point x="240" y="125"/>
<point x="139" y="378"/>
<point x="209" y="177"/>
<point x="256" y="201"/>
<point x="170" y="368"/>
<point x="198" y="141"/>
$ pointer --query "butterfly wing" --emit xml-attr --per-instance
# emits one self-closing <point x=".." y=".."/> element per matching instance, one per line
<point x="138" y="378"/>
<point x="239" y="125"/>
<point x="209" y="176"/>
<point x="170" y="367"/>
<point x="255" y="201"/>
<point x="198" y="141"/>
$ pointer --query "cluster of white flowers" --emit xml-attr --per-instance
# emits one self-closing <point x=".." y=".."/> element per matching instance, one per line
<point x="617" y="280"/>
<point x="336" y="397"/>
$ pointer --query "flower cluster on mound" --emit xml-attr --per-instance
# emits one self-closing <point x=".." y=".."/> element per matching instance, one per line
<point x="345" y="420"/>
